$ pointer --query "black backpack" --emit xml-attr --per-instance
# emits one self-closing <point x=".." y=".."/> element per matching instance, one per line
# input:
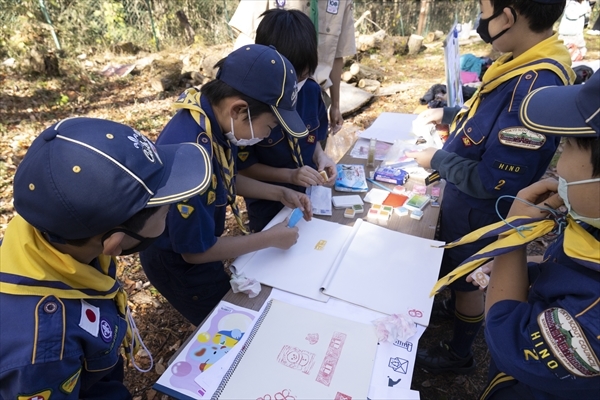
<point x="583" y="73"/>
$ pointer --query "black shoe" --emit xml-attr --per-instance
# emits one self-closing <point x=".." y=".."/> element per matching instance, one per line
<point x="442" y="359"/>
<point x="443" y="310"/>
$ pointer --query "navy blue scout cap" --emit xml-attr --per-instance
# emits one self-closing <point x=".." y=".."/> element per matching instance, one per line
<point x="564" y="110"/>
<point x="84" y="176"/>
<point x="262" y="73"/>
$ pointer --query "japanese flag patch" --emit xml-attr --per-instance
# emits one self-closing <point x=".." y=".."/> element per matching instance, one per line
<point x="90" y="318"/>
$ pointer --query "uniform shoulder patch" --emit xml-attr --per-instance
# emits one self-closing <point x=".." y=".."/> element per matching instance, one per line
<point x="185" y="209"/>
<point x="43" y="395"/>
<point x="568" y="343"/>
<point x="68" y="385"/>
<point x="243" y="155"/>
<point x="519" y="136"/>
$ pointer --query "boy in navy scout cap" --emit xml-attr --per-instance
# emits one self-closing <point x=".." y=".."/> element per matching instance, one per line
<point x="87" y="190"/>
<point x="544" y="339"/>
<point x="490" y="153"/>
<point x="543" y="318"/>
<point x="281" y="158"/>
<point x="255" y="90"/>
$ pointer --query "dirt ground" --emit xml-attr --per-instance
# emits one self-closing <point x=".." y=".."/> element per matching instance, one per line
<point x="28" y="104"/>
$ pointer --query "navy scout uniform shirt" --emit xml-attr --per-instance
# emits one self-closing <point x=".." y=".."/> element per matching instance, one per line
<point x="551" y="343"/>
<point x="193" y="226"/>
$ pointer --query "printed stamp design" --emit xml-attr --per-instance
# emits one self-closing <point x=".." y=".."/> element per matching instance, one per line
<point x="331" y="359"/>
<point x="296" y="358"/>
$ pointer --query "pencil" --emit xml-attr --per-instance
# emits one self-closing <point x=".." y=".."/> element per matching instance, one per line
<point x="374" y="182"/>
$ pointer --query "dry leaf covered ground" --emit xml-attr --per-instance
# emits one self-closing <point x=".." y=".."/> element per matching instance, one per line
<point x="28" y="104"/>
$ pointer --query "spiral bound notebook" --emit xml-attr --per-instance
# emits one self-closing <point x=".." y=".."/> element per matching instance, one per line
<point x="304" y="354"/>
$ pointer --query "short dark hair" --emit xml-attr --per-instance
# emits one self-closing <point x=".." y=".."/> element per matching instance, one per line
<point x="293" y="34"/>
<point x="217" y="91"/>
<point x="592" y="144"/>
<point x="541" y="16"/>
<point x="134" y="224"/>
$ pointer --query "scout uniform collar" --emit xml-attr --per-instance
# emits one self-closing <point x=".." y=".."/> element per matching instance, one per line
<point x="505" y="68"/>
<point x="26" y="272"/>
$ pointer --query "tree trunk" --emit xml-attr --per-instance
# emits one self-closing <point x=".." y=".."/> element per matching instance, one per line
<point x="360" y="71"/>
<point x="347" y="76"/>
<point x="368" y="42"/>
<point x="166" y="74"/>
<point x="185" y="24"/>
<point x="433" y="36"/>
<point x="423" y="14"/>
<point x="414" y="44"/>
<point x="370" y="85"/>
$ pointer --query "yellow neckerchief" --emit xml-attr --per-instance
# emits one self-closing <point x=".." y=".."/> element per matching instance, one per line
<point x="190" y="100"/>
<point x="295" y="150"/>
<point x="578" y="244"/>
<point x="505" y="68"/>
<point x="30" y="266"/>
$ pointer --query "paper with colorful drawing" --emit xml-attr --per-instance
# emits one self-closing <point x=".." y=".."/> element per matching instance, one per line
<point x="223" y="332"/>
<point x="297" y="352"/>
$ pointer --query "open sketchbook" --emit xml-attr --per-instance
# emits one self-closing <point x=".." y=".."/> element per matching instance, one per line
<point x="368" y="265"/>
<point x="293" y="352"/>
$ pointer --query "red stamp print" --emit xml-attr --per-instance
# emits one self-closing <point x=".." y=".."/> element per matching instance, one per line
<point x="342" y="396"/>
<point x="312" y="338"/>
<point x="285" y="394"/>
<point x="331" y="359"/>
<point x="295" y="358"/>
<point x="415" y="313"/>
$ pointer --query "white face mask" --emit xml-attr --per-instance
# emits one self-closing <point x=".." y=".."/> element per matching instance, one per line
<point x="562" y="192"/>
<point x="242" y="142"/>
<point x="301" y="83"/>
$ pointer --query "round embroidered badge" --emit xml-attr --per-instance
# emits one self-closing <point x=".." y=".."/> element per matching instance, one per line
<point x="106" y="331"/>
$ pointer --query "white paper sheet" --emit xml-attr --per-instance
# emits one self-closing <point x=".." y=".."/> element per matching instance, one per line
<point x="389" y="272"/>
<point x="389" y="127"/>
<point x="389" y="379"/>
<point x="305" y="354"/>
<point x="302" y="268"/>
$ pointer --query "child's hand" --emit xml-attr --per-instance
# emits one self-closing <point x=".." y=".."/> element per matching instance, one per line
<point x="293" y="199"/>
<point x="324" y="163"/>
<point x="476" y="279"/>
<point x="423" y="157"/>
<point x="282" y="236"/>
<point x="431" y="115"/>
<point x="306" y="176"/>
<point x="542" y="193"/>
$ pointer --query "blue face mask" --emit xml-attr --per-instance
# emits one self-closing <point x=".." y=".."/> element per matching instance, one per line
<point x="563" y="193"/>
